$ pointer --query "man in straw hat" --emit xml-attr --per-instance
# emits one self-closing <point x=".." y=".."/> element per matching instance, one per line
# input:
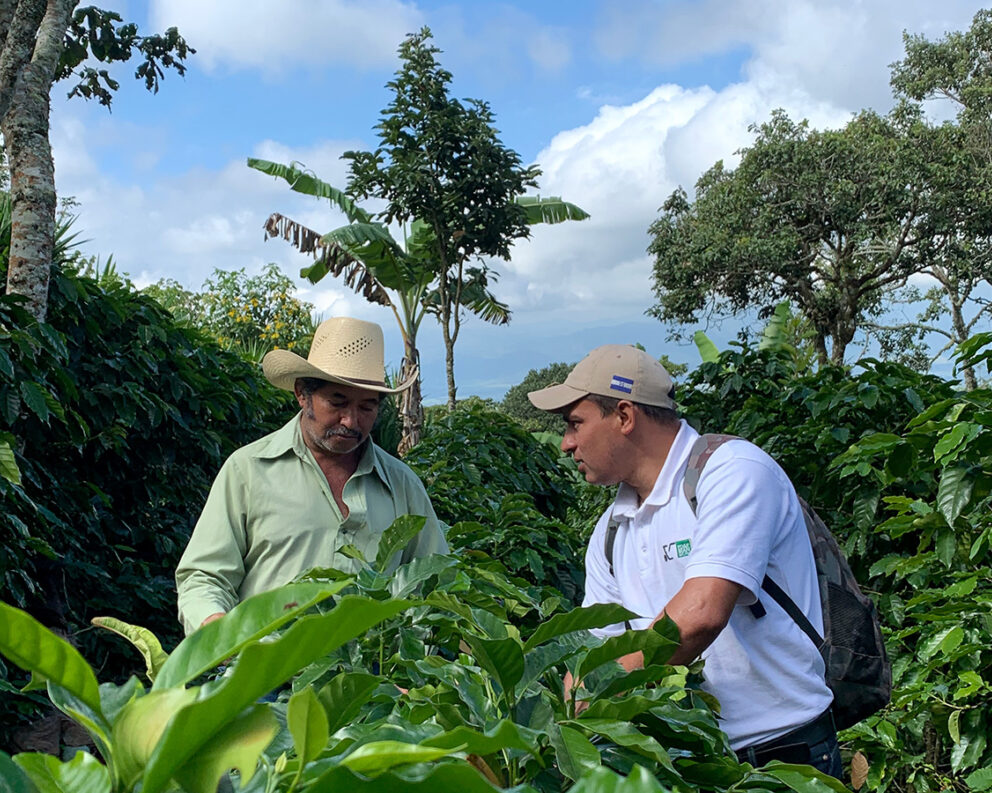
<point x="655" y="555"/>
<point x="287" y="502"/>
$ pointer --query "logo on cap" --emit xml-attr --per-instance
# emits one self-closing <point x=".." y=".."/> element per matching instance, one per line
<point x="619" y="383"/>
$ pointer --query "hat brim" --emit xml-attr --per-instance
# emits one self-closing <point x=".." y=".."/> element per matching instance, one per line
<point x="556" y="397"/>
<point x="282" y="368"/>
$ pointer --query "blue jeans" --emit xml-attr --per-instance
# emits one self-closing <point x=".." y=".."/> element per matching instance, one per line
<point x="825" y="757"/>
<point x="814" y="743"/>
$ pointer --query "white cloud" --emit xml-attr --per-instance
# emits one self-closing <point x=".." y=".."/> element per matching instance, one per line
<point x="185" y="226"/>
<point x="620" y="168"/>
<point x="837" y="51"/>
<point x="273" y="36"/>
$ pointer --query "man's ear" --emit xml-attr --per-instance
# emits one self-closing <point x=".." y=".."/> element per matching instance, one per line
<point x="626" y="414"/>
<point x="301" y="400"/>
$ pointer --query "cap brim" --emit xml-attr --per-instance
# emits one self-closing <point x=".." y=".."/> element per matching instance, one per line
<point x="282" y="368"/>
<point x="556" y="397"/>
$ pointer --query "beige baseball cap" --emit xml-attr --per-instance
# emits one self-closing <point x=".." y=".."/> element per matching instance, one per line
<point x="613" y="370"/>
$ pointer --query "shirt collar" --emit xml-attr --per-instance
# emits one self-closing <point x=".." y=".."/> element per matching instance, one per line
<point x="289" y="438"/>
<point x="669" y="478"/>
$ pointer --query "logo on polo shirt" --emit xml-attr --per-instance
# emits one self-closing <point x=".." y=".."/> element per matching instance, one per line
<point x="680" y="548"/>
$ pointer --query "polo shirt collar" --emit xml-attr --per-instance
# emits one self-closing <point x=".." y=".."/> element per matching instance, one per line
<point x="669" y="478"/>
<point x="289" y="438"/>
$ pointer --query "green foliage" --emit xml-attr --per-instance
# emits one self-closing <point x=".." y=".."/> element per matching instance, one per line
<point x="544" y="552"/>
<point x="931" y="560"/>
<point x="803" y="419"/>
<point x="516" y="405"/>
<point x="118" y="419"/>
<point x="98" y="35"/>
<point x="440" y="162"/>
<point x="248" y="314"/>
<point x="909" y="494"/>
<point x="955" y="67"/>
<point x="504" y="494"/>
<point x="481" y="708"/>
<point x="182" y="303"/>
<point x="830" y="220"/>
<point x="474" y="457"/>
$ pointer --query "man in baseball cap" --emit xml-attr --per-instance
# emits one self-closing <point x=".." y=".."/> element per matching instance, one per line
<point x="702" y="563"/>
<point x="289" y="501"/>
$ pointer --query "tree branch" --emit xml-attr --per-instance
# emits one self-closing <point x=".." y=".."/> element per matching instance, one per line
<point x="51" y="37"/>
<point x="909" y="326"/>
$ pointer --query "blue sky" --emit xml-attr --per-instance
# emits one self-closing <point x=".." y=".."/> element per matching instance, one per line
<point x="617" y="103"/>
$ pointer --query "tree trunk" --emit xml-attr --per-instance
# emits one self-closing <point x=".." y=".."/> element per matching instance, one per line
<point x="820" y="345"/>
<point x="449" y="343"/>
<point x="411" y="401"/>
<point x="449" y="367"/>
<point x="961" y="333"/>
<point x="25" y="128"/>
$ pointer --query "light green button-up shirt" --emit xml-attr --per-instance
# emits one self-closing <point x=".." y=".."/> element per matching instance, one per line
<point x="270" y="516"/>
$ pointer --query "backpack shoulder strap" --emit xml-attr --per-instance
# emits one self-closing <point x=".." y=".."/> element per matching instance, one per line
<point x="789" y="607"/>
<point x="612" y="525"/>
<point x="699" y="455"/>
<point x="610" y="540"/>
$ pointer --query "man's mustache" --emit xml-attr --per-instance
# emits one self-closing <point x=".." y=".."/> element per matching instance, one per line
<point x="343" y="433"/>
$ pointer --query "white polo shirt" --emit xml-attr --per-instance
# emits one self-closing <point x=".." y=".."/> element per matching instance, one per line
<point x="765" y="672"/>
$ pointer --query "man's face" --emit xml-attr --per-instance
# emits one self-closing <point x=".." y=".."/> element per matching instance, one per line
<point x="593" y="440"/>
<point x="337" y="419"/>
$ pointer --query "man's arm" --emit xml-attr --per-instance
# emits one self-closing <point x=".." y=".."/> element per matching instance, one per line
<point x="212" y="567"/>
<point x="701" y="609"/>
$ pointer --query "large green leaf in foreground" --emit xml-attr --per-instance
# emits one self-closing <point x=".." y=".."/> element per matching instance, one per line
<point x="258" y="670"/>
<point x="34" y="648"/>
<point x="144" y="640"/>
<point x="579" y="619"/>
<point x="445" y="778"/>
<point x="247" y="622"/>
<point x="12" y="778"/>
<point x="83" y="774"/>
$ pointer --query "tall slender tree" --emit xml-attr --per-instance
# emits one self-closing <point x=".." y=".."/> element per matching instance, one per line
<point x="441" y="161"/>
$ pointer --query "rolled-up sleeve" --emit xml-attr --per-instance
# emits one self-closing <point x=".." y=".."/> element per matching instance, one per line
<point x="212" y="567"/>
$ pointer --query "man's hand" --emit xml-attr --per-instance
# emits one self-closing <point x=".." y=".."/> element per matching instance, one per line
<point x="212" y="618"/>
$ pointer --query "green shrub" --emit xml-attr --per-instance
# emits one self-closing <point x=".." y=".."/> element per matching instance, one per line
<point x="517" y="405"/>
<point x="931" y="565"/>
<point x="119" y="420"/>
<point x="482" y="706"/>
<point x="472" y="457"/>
<point x="805" y="420"/>
<point x="481" y="468"/>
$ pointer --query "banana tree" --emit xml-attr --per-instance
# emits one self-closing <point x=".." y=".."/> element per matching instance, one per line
<point x="406" y="278"/>
<point x="368" y="259"/>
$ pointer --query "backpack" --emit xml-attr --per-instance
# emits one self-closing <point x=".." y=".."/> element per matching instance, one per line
<point x="857" y="667"/>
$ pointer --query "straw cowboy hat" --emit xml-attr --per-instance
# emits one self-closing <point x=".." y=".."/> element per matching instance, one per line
<point x="344" y="350"/>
